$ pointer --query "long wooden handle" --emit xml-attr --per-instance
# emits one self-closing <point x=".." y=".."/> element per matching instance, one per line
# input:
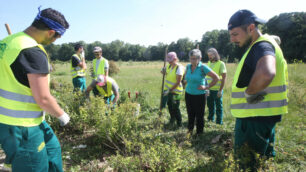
<point x="8" y="29"/>
<point x="163" y="82"/>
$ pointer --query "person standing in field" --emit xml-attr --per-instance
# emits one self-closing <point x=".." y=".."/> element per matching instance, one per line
<point x="28" y="141"/>
<point x="173" y="88"/>
<point x="100" y="66"/>
<point x="214" y="99"/>
<point x="259" y="88"/>
<point x="195" y="93"/>
<point x="108" y="89"/>
<point x="78" y="68"/>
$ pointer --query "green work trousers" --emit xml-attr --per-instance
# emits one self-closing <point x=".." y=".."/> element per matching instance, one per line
<point x="31" y="149"/>
<point x="214" y="104"/>
<point x="258" y="135"/>
<point x="79" y="83"/>
<point x="173" y="102"/>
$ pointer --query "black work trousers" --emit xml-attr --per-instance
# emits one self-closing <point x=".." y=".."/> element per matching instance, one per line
<point x="195" y="105"/>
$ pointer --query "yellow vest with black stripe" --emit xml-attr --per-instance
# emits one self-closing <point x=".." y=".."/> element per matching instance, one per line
<point x="100" y="70"/>
<point x="77" y="71"/>
<point x="276" y="101"/>
<point x="171" y="80"/>
<point x="17" y="104"/>
<point x="216" y="68"/>
<point x="109" y="90"/>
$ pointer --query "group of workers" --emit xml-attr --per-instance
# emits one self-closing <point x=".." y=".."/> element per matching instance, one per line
<point x="258" y="99"/>
<point x="102" y="84"/>
<point x="202" y="82"/>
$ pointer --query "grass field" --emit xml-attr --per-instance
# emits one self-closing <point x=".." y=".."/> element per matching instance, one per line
<point x="148" y="144"/>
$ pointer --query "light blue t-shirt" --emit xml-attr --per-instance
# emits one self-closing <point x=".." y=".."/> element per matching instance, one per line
<point x="196" y="78"/>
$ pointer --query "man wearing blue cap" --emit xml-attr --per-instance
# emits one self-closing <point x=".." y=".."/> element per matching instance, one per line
<point x="27" y="140"/>
<point x="259" y="88"/>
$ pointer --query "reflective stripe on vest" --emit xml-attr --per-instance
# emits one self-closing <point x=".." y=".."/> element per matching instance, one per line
<point x="261" y="105"/>
<point x="20" y="113"/>
<point x="276" y="89"/>
<point x="216" y="69"/>
<point x="77" y="71"/>
<point x="17" y="104"/>
<point x="276" y="100"/>
<point x="16" y="96"/>
<point x="100" y="70"/>
<point x="171" y="79"/>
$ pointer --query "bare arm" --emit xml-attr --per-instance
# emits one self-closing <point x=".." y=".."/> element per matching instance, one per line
<point x="215" y="79"/>
<point x="106" y="72"/>
<point x="41" y="93"/>
<point x="82" y="64"/>
<point x="222" y="81"/>
<point x="116" y="97"/>
<point x="263" y="75"/>
<point x="88" y="89"/>
<point x="115" y="89"/>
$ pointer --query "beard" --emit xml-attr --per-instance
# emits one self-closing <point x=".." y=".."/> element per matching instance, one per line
<point x="247" y="43"/>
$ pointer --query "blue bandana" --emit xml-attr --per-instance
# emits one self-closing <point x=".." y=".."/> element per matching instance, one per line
<point x="50" y="23"/>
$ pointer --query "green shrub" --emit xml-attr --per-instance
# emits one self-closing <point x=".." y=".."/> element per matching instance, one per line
<point x="118" y="128"/>
<point x="156" y="156"/>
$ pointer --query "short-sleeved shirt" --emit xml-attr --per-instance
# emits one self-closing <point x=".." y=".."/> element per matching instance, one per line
<point x="75" y="61"/>
<point x="258" y="50"/>
<point x="31" y="60"/>
<point x="115" y="86"/>
<point x="196" y="78"/>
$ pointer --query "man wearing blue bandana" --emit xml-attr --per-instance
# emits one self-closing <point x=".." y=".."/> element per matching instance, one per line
<point x="27" y="140"/>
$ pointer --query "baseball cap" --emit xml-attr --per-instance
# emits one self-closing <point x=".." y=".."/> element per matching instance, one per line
<point x="243" y="17"/>
<point x="101" y="80"/>
<point x="97" y="49"/>
<point x="171" y="56"/>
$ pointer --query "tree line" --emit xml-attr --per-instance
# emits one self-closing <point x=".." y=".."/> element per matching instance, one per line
<point x="290" y="27"/>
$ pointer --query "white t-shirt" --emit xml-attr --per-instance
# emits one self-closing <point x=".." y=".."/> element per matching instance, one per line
<point x="179" y="71"/>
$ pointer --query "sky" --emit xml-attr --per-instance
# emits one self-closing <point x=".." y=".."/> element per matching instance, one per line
<point x="143" y="22"/>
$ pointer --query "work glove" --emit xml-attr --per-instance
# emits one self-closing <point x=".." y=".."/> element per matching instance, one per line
<point x="64" y="119"/>
<point x="219" y="94"/>
<point x="83" y="54"/>
<point x="255" y="98"/>
<point x="163" y="70"/>
<point x="166" y="92"/>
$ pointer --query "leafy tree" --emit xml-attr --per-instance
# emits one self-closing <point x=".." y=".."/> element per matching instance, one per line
<point x="291" y="28"/>
<point x="65" y="52"/>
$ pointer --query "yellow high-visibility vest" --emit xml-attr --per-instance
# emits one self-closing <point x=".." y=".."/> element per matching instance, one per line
<point x="109" y="90"/>
<point x="100" y="70"/>
<point x="276" y="101"/>
<point x="17" y="104"/>
<point x="216" y="69"/>
<point x="77" y="71"/>
<point x="171" y="79"/>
